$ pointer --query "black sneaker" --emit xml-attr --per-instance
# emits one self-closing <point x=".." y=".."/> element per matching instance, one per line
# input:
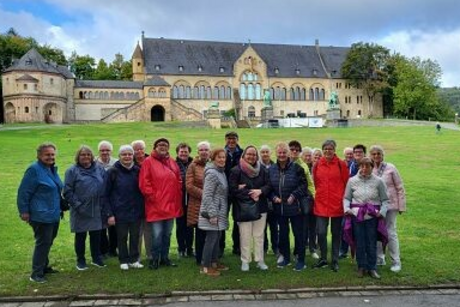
<point x="98" y="263"/>
<point x="320" y="264"/>
<point x="50" y="270"/>
<point x="168" y="262"/>
<point x="38" y="279"/>
<point x="335" y="266"/>
<point x="81" y="266"/>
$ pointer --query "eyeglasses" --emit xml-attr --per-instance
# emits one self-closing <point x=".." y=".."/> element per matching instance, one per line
<point x="358" y="151"/>
<point x="294" y="149"/>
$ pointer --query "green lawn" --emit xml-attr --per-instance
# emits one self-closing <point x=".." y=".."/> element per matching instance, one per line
<point x="429" y="233"/>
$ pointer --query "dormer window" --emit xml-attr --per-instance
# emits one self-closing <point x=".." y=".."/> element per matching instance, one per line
<point x="181" y="68"/>
<point x="157" y="67"/>
<point x="200" y="68"/>
<point x="221" y="69"/>
<point x="315" y="72"/>
<point x="277" y="70"/>
<point x="29" y="62"/>
<point x="297" y="71"/>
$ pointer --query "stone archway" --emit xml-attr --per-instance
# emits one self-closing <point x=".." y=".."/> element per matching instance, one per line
<point x="10" y="113"/>
<point x="52" y="113"/>
<point x="157" y="114"/>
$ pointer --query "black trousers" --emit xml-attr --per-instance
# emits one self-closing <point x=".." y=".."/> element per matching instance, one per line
<point x="128" y="234"/>
<point x="272" y="224"/>
<point x="94" y="245"/>
<point x="200" y="237"/>
<point x="44" y="234"/>
<point x="184" y="234"/>
<point x="109" y="240"/>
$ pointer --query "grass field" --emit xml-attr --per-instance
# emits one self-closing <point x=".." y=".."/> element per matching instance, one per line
<point x="429" y="233"/>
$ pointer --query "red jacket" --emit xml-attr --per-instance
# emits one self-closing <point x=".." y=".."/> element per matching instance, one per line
<point x="330" y="181"/>
<point x="161" y="184"/>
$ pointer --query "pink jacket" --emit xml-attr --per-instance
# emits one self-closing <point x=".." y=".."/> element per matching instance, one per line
<point x="395" y="186"/>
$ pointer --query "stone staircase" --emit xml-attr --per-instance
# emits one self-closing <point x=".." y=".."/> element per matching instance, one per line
<point x="129" y="113"/>
<point x="184" y="113"/>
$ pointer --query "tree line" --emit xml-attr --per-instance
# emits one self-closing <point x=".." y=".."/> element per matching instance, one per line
<point x="14" y="46"/>
<point x="409" y="86"/>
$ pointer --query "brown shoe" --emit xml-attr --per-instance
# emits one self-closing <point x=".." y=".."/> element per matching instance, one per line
<point x="360" y="273"/>
<point x="220" y="267"/>
<point x="374" y="274"/>
<point x="211" y="272"/>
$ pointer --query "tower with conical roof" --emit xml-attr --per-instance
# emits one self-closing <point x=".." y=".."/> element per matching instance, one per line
<point x="138" y="63"/>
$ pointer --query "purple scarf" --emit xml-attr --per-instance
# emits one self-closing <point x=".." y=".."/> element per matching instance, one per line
<point x="370" y="209"/>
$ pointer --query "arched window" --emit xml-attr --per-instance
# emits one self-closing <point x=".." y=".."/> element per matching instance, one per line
<point x="348" y="113"/>
<point x="250" y="91"/>
<point x="292" y="94"/>
<point x="228" y="94"/>
<point x="208" y="92"/>
<point x="316" y="93"/>
<point x="136" y="95"/>
<point x="322" y="94"/>
<point x="277" y="93"/>
<point x="283" y="93"/>
<point x="243" y="91"/>
<point x="312" y="95"/>
<point x="258" y="91"/>
<point x="302" y="94"/>
<point x="222" y="92"/>
<point x="251" y="112"/>
<point x="80" y="94"/>
<point x="297" y="93"/>
<point x="26" y="109"/>
<point x="122" y="95"/>
<point x="175" y="92"/>
<point x="196" y="92"/>
<point x="250" y="76"/>
<point x="188" y="91"/>
<point x="202" y="92"/>
<point x="181" y="91"/>
<point x="215" y="93"/>
<point x="272" y="93"/>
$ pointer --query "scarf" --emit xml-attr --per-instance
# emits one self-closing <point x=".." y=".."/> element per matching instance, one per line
<point x="249" y="170"/>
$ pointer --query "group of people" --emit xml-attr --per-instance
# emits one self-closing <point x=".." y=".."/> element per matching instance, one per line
<point x="132" y="202"/>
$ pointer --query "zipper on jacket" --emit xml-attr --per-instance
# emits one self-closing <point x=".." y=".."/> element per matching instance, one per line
<point x="281" y="184"/>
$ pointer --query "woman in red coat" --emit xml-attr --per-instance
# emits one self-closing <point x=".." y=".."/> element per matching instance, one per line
<point x="330" y="175"/>
<point x="161" y="184"/>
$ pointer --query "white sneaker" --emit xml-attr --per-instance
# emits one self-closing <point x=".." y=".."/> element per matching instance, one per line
<point x="314" y="255"/>
<point x="136" y="265"/>
<point x="280" y="259"/>
<point x="381" y="261"/>
<point x="395" y="268"/>
<point x="124" y="266"/>
<point x="244" y="266"/>
<point x="261" y="265"/>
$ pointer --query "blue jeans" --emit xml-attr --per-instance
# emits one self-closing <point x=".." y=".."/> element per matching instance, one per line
<point x="161" y="239"/>
<point x="365" y="234"/>
<point x="44" y="234"/>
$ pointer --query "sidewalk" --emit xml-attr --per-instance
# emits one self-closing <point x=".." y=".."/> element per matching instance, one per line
<point x="224" y="295"/>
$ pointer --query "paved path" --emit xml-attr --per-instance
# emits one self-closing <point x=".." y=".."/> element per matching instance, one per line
<point x="440" y="295"/>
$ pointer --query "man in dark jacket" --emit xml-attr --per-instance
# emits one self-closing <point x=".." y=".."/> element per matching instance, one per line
<point x="233" y="151"/>
<point x="184" y="234"/>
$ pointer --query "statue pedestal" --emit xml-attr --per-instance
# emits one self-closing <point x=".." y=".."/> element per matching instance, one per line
<point x="333" y="114"/>
<point x="213" y="118"/>
<point x="267" y="113"/>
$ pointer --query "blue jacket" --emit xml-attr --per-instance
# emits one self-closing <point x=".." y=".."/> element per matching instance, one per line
<point x="122" y="196"/>
<point x="286" y="182"/>
<point x="39" y="193"/>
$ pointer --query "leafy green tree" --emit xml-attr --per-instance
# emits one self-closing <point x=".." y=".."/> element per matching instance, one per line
<point x="415" y="92"/>
<point x="367" y="66"/>
<point x="82" y="66"/>
<point x="103" y="71"/>
<point x="122" y="69"/>
<point x="53" y="54"/>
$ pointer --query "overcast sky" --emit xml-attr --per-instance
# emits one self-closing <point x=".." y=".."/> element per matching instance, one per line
<point x="101" y="28"/>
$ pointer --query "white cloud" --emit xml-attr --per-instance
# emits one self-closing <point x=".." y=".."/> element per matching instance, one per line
<point x="441" y="46"/>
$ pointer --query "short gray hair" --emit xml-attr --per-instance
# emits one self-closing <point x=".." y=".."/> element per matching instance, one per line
<point x="377" y="148"/>
<point x="43" y="146"/>
<point x="329" y="143"/>
<point x="265" y="147"/>
<point x="126" y="147"/>
<point x="347" y="149"/>
<point x="307" y="149"/>
<point x="138" y="142"/>
<point x="203" y="143"/>
<point x="105" y="143"/>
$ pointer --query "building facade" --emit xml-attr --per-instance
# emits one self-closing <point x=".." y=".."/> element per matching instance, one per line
<point x="180" y="79"/>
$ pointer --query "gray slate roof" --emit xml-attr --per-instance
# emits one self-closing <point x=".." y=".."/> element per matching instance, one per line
<point x="34" y="61"/>
<point x="156" y="81"/>
<point x="27" y="77"/>
<point x="171" y="53"/>
<point x="108" y="84"/>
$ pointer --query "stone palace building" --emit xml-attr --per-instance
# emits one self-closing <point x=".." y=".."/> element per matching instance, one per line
<point x="179" y="79"/>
